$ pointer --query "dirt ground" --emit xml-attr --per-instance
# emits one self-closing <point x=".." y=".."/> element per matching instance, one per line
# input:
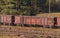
<point x="28" y="32"/>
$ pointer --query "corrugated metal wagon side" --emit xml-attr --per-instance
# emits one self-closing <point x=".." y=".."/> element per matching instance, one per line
<point x="45" y="21"/>
<point x="42" y="21"/>
<point x="8" y="19"/>
<point x="18" y="20"/>
<point x="50" y="21"/>
<point x="27" y="20"/>
<point x="33" y="20"/>
<point x="58" y="21"/>
<point x="2" y="19"/>
<point x="38" y="21"/>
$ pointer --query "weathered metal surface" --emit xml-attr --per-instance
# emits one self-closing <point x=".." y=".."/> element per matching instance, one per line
<point x="18" y="19"/>
<point x="58" y="21"/>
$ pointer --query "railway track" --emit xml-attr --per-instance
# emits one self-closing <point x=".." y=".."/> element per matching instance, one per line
<point x="28" y="32"/>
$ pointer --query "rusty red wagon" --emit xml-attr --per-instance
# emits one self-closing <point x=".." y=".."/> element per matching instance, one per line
<point x="18" y="20"/>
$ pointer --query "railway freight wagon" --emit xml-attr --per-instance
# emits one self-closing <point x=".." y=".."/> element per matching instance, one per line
<point x="30" y="20"/>
<point x="6" y="19"/>
<point x="35" y="21"/>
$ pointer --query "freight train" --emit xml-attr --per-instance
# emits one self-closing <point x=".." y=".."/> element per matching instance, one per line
<point x="30" y="20"/>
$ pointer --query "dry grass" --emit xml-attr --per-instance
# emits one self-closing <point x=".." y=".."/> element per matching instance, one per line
<point x="51" y="14"/>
